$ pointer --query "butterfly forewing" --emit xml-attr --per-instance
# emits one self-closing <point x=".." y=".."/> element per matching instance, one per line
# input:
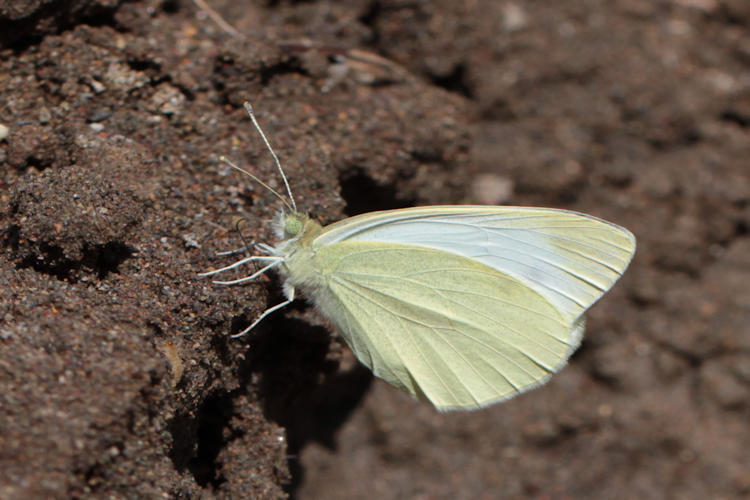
<point x="568" y="257"/>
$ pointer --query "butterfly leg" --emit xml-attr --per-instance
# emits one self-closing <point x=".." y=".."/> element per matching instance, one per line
<point x="275" y="261"/>
<point x="251" y="277"/>
<point x="236" y="251"/>
<point x="266" y="249"/>
<point x="290" y="299"/>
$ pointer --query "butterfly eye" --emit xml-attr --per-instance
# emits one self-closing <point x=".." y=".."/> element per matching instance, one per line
<point x="292" y="226"/>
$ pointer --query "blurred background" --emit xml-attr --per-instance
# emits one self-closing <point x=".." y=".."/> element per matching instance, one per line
<point x="118" y="378"/>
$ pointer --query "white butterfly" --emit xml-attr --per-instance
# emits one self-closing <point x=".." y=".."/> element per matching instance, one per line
<point x="464" y="306"/>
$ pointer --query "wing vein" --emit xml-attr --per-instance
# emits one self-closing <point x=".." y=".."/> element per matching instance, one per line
<point x="453" y="319"/>
<point x="371" y="275"/>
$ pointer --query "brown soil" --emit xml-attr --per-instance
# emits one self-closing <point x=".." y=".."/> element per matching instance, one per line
<point x="117" y="376"/>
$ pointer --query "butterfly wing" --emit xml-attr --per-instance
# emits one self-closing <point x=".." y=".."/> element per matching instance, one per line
<point x="570" y="258"/>
<point x="439" y="325"/>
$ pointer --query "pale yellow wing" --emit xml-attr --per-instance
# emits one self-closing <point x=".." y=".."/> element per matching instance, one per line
<point x="442" y="326"/>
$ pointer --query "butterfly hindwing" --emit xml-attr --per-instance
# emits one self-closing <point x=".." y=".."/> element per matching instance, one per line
<point x="441" y="325"/>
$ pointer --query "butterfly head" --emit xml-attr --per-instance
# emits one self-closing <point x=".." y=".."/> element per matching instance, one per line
<point x="296" y="231"/>
<point x="294" y="225"/>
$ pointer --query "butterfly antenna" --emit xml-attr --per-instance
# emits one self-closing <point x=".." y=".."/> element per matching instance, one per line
<point x="229" y="162"/>
<point x="250" y="112"/>
<point x="202" y="5"/>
